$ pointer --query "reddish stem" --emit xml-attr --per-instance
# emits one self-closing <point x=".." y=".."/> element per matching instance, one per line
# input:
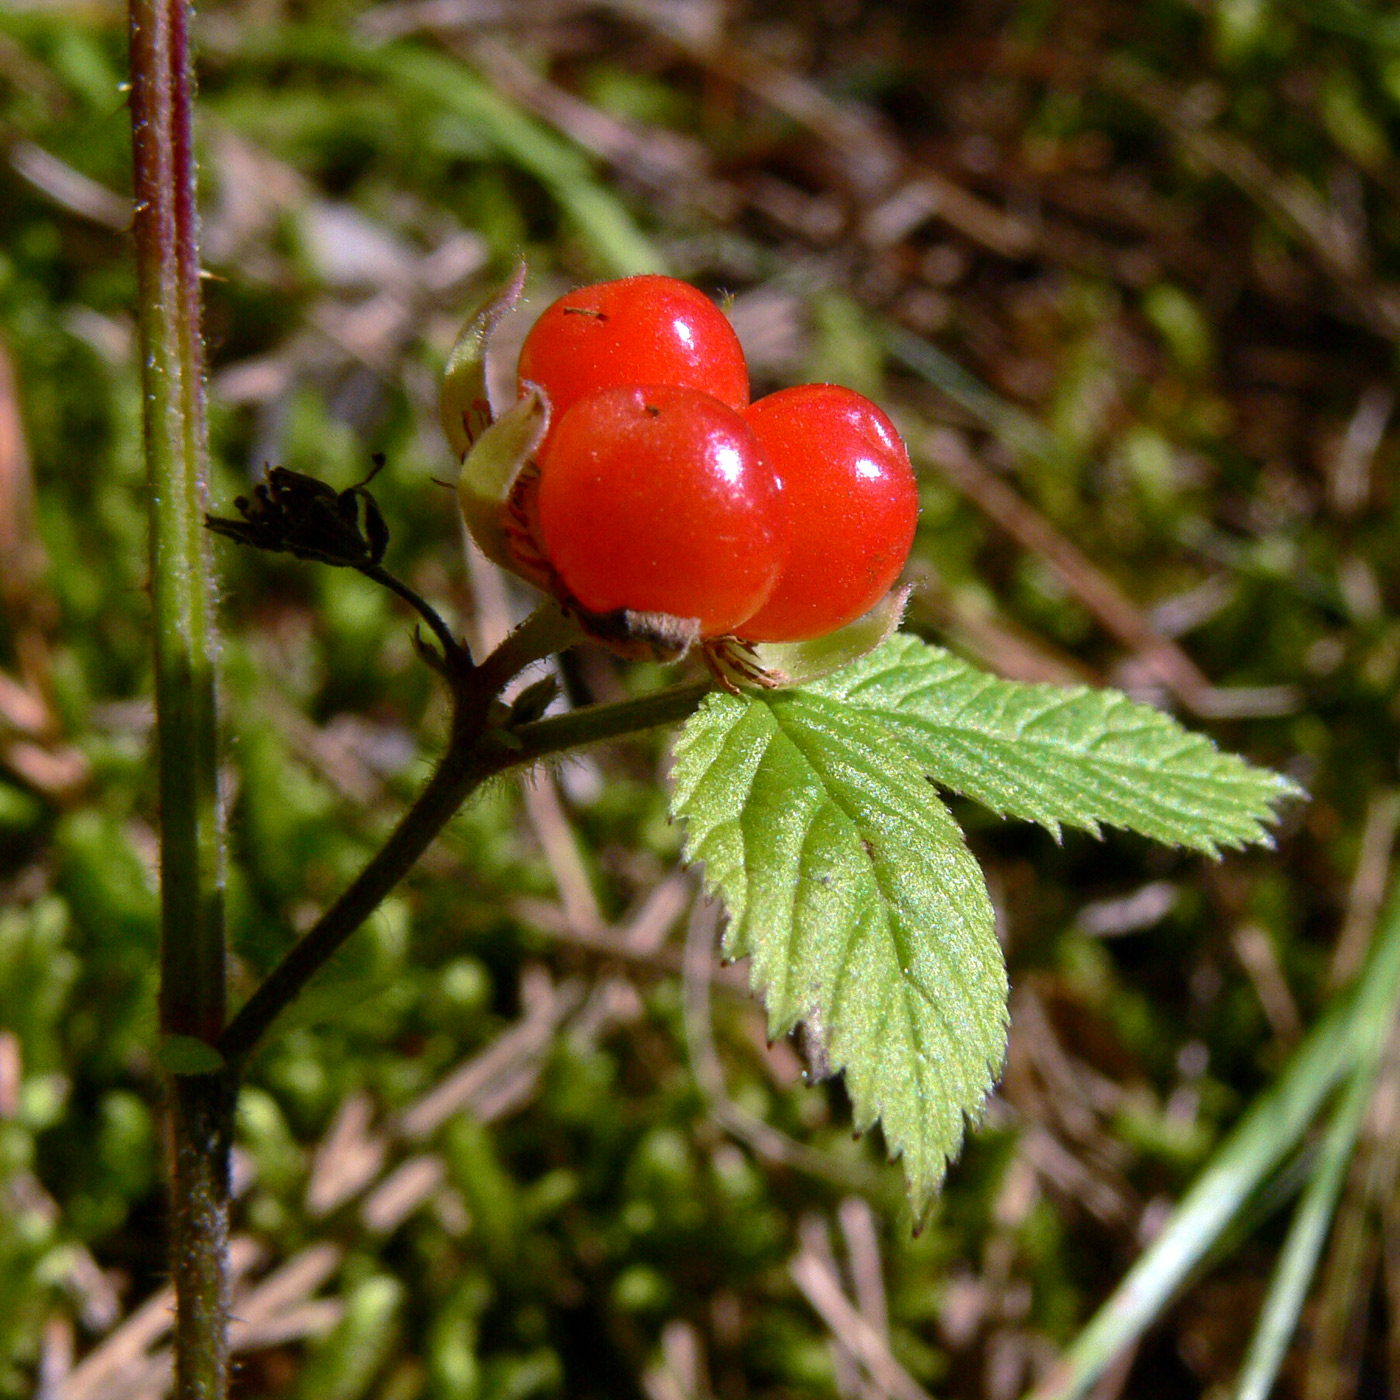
<point x="192" y="923"/>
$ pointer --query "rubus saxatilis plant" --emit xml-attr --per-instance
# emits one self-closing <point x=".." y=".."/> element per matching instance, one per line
<point x="808" y="780"/>
<point x="663" y="514"/>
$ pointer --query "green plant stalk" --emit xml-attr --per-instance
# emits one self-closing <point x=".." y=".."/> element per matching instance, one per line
<point x="202" y="1117"/>
<point x="457" y="775"/>
<point x="192" y="916"/>
<point x="167" y="260"/>
<point x="593" y="724"/>
<point x="1263" y="1138"/>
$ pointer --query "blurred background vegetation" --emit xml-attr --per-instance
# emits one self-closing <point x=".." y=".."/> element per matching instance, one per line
<point x="1127" y="273"/>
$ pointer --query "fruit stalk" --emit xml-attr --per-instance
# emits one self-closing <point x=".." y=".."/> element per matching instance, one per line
<point x="192" y="915"/>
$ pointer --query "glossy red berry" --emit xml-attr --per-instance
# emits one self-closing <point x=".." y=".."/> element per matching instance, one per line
<point x="852" y="507"/>
<point x="639" y="330"/>
<point x="658" y="499"/>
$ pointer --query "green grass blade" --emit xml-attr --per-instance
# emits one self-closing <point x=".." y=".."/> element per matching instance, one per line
<point x="1016" y="429"/>
<point x="448" y="90"/>
<point x="1289" y="1285"/>
<point x="1259" y="1142"/>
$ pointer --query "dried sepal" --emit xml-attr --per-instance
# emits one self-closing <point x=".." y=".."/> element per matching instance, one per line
<point x="774" y="665"/>
<point x="641" y="636"/>
<point x="465" y="404"/>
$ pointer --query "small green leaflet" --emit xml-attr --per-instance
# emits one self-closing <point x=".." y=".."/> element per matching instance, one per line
<point x="1058" y="754"/>
<point x="849" y="885"/>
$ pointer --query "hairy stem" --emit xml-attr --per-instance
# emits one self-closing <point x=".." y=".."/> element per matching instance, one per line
<point x="167" y="259"/>
<point x="474" y="755"/>
<point x="192" y="916"/>
<point x="452" y="649"/>
<point x="203" y="1117"/>
<point x="448" y="788"/>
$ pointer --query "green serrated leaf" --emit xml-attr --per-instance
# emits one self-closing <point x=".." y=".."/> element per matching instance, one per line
<point x="187" y="1054"/>
<point x="1058" y="755"/>
<point x="849" y="885"/>
<point x="864" y="915"/>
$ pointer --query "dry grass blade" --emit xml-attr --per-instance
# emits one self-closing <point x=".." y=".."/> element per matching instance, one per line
<point x="822" y="1289"/>
<point x="1335" y="245"/>
<point x="289" y="1284"/>
<point x="815" y="1238"/>
<point x="1256" y="954"/>
<point x="56" y="1357"/>
<point x="679" y="1373"/>
<point x="556" y="836"/>
<point x="520" y="1048"/>
<point x="348" y="1158"/>
<point x="69" y="188"/>
<point x="1350" y="481"/>
<point x="408" y="1186"/>
<point x="294" y="1324"/>
<point x="1368" y="883"/>
<point x="861" y="1234"/>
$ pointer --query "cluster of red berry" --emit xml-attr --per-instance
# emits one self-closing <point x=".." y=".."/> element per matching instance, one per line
<point x="662" y="489"/>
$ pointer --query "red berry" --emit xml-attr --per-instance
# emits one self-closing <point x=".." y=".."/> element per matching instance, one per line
<point x="852" y="506"/>
<point x="640" y="330"/>
<point x="658" y="499"/>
